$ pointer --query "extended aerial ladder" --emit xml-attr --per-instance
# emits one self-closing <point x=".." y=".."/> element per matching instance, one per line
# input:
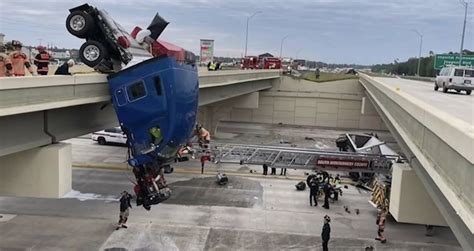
<point x="303" y="158"/>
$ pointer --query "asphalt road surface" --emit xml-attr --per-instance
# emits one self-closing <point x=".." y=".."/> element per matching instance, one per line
<point x="456" y="104"/>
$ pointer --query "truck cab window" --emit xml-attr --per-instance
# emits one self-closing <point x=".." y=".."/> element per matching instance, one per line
<point x="158" y="85"/>
<point x="136" y="91"/>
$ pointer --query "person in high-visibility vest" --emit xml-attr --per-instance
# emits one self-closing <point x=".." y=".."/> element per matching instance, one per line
<point x="42" y="61"/>
<point x="19" y="60"/>
<point x="5" y="64"/>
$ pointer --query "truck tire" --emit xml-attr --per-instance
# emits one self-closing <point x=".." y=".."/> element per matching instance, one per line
<point x="445" y="90"/>
<point x="80" y="24"/>
<point x="101" y="141"/>
<point x="468" y="92"/>
<point x="436" y="87"/>
<point x="92" y="53"/>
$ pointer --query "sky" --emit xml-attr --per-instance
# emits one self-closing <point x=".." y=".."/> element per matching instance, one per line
<point x="333" y="31"/>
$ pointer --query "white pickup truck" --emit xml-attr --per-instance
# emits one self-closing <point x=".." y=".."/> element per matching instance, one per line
<point x="110" y="135"/>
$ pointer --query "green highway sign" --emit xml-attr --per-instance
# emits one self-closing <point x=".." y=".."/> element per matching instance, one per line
<point x="442" y="60"/>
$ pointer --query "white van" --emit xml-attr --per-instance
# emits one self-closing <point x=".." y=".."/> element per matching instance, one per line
<point x="456" y="78"/>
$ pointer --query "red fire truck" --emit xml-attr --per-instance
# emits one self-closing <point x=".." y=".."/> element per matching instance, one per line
<point x="253" y="62"/>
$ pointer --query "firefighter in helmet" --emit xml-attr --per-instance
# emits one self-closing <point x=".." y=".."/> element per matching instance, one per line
<point x="42" y="60"/>
<point x="5" y="64"/>
<point x="19" y="60"/>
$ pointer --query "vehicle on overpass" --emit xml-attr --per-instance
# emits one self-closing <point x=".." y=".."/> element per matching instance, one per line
<point x="110" y="135"/>
<point x="155" y="98"/>
<point x="260" y="62"/>
<point x="108" y="45"/>
<point x="455" y="78"/>
<point x="249" y="63"/>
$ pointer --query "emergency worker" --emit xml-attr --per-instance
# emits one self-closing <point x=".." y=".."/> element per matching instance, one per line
<point x="327" y="192"/>
<point x="381" y="217"/>
<point x="124" y="209"/>
<point x="42" y="61"/>
<point x="313" y="192"/>
<point x="5" y="64"/>
<point x="19" y="60"/>
<point x="326" y="233"/>
<point x="64" y="68"/>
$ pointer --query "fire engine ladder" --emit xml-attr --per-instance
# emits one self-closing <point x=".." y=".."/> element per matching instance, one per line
<point x="302" y="158"/>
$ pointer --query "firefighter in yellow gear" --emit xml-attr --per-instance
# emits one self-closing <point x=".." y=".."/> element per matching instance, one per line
<point x="5" y="64"/>
<point x="19" y="60"/>
<point x="42" y="61"/>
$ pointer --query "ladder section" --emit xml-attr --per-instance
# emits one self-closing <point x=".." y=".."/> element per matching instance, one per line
<point x="302" y="158"/>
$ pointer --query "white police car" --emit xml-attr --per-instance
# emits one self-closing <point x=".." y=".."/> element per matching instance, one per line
<point x="110" y="135"/>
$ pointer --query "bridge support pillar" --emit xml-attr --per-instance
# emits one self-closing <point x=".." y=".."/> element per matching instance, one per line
<point x="409" y="200"/>
<point x="40" y="172"/>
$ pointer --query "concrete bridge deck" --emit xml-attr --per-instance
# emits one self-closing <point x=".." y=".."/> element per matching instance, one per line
<point x="436" y="132"/>
<point x="36" y="111"/>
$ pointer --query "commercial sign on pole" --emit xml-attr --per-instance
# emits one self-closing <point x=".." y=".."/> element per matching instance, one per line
<point x="442" y="60"/>
<point x="207" y="51"/>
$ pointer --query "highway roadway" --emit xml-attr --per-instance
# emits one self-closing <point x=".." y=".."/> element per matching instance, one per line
<point x="250" y="213"/>
<point x="456" y="104"/>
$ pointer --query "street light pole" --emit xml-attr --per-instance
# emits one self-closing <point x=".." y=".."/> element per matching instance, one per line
<point x="463" y="30"/>
<point x="281" y="45"/>
<point x="419" y="52"/>
<point x="247" y="31"/>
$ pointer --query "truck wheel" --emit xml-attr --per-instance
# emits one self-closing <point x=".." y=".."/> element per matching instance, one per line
<point x="436" y="87"/>
<point x="101" y="141"/>
<point x="468" y="92"/>
<point x="445" y="90"/>
<point x="80" y="24"/>
<point x="92" y="53"/>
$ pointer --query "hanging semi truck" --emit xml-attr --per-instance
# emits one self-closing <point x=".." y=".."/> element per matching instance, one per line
<point x="155" y="96"/>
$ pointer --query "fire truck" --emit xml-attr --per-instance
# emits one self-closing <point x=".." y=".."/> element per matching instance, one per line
<point x="254" y="62"/>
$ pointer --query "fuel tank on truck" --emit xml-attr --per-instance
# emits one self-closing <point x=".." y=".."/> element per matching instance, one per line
<point x="156" y="104"/>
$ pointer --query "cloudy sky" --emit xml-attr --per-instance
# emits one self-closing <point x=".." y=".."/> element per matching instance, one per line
<point x="334" y="31"/>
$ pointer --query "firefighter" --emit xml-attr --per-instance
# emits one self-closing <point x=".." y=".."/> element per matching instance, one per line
<point x="380" y="221"/>
<point x="327" y="192"/>
<point x="313" y="192"/>
<point x="19" y="60"/>
<point x="5" y="64"/>
<point x="42" y="61"/>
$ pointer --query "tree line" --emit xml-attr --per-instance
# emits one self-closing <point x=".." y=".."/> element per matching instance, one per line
<point x="410" y="66"/>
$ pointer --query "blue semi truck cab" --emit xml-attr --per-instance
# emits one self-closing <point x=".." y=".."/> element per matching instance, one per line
<point x="156" y="104"/>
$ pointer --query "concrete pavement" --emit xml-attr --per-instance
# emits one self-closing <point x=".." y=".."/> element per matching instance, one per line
<point x="248" y="214"/>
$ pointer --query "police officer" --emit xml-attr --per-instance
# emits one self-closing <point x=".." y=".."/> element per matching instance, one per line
<point x="313" y="192"/>
<point x="327" y="192"/>
<point x="5" y="64"/>
<point x="19" y="60"/>
<point x="326" y="233"/>
<point x="42" y="60"/>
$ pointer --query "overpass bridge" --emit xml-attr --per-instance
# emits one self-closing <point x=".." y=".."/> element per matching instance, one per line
<point x="435" y="131"/>
<point x="37" y="111"/>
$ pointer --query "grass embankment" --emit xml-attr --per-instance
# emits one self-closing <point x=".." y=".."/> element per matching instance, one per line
<point x="326" y="76"/>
